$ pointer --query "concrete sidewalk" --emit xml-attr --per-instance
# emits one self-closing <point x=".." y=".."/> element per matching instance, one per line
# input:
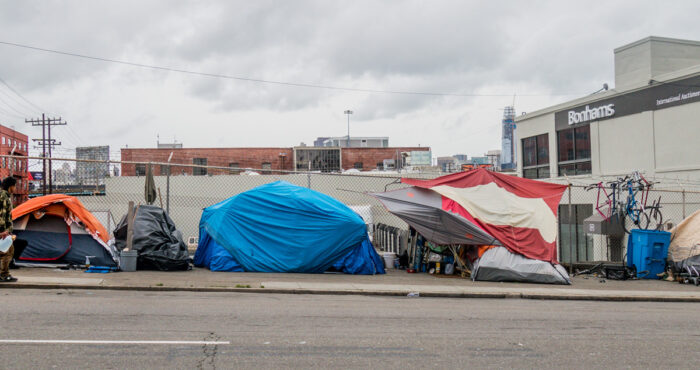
<point x="395" y="282"/>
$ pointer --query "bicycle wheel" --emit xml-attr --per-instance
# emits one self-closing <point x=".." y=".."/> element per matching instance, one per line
<point x="643" y="222"/>
<point x="622" y="215"/>
<point x="656" y="220"/>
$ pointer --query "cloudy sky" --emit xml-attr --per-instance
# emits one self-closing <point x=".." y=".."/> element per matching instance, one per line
<point x="430" y="73"/>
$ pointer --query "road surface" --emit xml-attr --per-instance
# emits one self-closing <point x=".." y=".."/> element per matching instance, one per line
<point x="113" y="329"/>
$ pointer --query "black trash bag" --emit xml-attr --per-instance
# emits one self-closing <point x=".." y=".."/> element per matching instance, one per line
<point x="159" y="244"/>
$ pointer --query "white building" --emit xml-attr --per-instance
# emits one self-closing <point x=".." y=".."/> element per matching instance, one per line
<point x="649" y="122"/>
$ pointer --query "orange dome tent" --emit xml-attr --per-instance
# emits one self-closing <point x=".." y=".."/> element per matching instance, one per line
<point x="59" y="229"/>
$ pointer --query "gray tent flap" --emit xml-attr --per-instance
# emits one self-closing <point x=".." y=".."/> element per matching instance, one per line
<point x="422" y="209"/>
<point x="499" y="264"/>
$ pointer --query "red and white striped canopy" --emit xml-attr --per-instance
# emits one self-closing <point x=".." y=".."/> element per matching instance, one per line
<point x="520" y="213"/>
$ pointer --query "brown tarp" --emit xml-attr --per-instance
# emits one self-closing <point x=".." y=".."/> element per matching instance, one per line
<point x="685" y="239"/>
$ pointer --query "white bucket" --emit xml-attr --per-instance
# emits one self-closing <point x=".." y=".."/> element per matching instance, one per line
<point x="389" y="259"/>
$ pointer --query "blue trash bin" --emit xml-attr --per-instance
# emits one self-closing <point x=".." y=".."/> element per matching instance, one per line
<point x="647" y="251"/>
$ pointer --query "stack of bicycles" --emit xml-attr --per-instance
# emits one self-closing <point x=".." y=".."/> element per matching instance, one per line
<point x="627" y="199"/>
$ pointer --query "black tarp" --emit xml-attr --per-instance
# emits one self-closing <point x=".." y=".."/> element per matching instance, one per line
<point x="159" y="244"/>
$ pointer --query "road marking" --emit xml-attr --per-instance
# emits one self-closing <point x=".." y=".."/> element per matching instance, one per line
<point x="43" y="341"/>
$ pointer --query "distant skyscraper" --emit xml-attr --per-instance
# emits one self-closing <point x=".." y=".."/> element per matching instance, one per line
<point x="508" y="151"/>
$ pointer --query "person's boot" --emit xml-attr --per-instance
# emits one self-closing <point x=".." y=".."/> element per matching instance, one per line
<point x="8" y="279"/>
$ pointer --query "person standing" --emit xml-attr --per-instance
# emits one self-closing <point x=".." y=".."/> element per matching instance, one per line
<point x="8" y="187"/>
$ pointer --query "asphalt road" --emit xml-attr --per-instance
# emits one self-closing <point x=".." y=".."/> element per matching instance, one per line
<point x="323" y="331"/>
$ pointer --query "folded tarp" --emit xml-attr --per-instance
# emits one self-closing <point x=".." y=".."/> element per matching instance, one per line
<point x="281" y="227"/>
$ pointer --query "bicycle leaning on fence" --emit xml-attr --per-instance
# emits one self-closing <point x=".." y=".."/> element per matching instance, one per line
<point x="642" y="215"/>
<point x="607" y="202"/>
<point x="610" y="203"/>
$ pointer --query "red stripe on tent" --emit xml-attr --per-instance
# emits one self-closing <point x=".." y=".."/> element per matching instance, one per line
<point x="525" y="241"/>
<point x="70" y="245"/>
<point x="526" y="188"/>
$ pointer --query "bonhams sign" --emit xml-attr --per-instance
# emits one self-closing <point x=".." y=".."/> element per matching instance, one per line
<point x="589" y="114"/>
<point x="659" y="95"/>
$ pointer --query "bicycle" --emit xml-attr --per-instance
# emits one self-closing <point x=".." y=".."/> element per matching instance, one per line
<point x="641" y="214"/>
<point x="610" y="206"/>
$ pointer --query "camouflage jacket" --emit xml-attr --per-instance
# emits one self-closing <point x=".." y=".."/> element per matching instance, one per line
<point x="5" y="211"/>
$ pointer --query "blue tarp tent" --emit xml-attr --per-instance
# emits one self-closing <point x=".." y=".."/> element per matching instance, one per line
<point x="280" y="227"/>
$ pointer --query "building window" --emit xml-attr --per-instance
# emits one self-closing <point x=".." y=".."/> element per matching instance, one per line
<point x="316" y="159"/>
<point x="358" y="165"/>
<point x="164" y="170"/>
<point x="235" y="168"/>
<point x="266" y="167"/>
<point x="199" y="171"/>
<point x="140" y="169"/>
<point x="3" y="140"/>
<point x="574" y="146"/>
<point x="536" y="157"/>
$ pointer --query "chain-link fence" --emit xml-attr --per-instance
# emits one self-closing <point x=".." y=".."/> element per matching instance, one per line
<point x="579" y="245"/>
<point x="107" y="187"/>
<point x="185" y="190"/>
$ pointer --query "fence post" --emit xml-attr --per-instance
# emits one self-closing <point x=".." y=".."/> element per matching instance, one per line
<point x="167" y="185"/>
<point x="571" y="242"/>
<point x="683" y="194"/>
<point x="130" y="226"/>
<point x="308" y="176"/>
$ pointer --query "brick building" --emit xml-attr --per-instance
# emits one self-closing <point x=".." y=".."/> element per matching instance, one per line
<point x="9" y="140"/>
<point x="327" y="159"/>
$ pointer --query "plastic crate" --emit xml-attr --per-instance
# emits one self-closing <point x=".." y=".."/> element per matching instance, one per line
<point x="647" y="251"/>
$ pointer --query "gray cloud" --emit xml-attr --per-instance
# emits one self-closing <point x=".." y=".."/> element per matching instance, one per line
<point x="456" y="47"/>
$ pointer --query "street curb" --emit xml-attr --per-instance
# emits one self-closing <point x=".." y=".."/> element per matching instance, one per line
<point x="487" y="295"/>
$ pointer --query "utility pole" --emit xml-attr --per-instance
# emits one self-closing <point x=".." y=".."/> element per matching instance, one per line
<point x="46" y="124"/>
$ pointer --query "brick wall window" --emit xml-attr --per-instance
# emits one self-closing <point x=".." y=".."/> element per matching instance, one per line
<point x="140" y="169"/>
<point x="236" y="168"/>
<point x="164" y="170"/>
<point x="199" y="171"/>
<point x="358" y="165"/>
<point x="266" y="167"/>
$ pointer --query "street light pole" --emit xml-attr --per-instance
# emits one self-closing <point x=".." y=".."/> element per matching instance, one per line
<point x="348" y="112"/>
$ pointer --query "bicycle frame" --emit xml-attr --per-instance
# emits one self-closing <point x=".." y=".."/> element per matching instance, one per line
<point x="633" y="208"/>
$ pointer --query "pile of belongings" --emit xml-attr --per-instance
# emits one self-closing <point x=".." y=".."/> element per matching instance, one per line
<point x="281" y="227"/>
<point x="159" y="243"/>
<point x="516" y="216"/>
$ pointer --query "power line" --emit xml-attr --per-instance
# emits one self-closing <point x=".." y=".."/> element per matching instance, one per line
<point x="12" y="107"/>
<point x="19" y="104"/>
<point x="274" y="82"/>
<point x="21" y="96"/>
